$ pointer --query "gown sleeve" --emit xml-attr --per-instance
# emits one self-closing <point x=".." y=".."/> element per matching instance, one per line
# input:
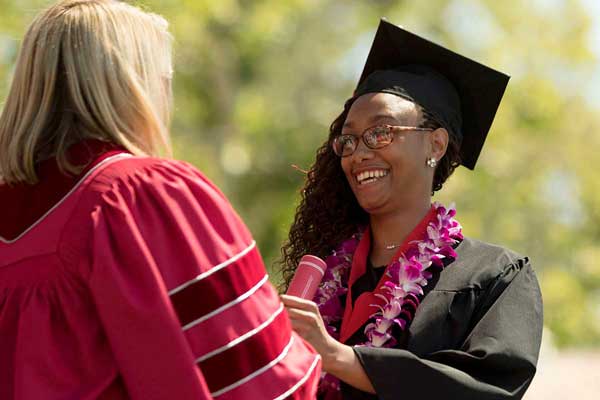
<point x="183" y="295"/>
<point x="496" y="361"/>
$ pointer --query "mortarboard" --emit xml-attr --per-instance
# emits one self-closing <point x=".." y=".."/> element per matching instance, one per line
<point x="461" y="94"/>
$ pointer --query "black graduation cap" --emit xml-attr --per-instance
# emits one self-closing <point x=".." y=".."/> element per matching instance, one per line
<point x="461" y="94"/>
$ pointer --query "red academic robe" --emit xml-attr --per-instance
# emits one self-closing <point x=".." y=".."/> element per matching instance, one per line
<point x="137" y="280"/>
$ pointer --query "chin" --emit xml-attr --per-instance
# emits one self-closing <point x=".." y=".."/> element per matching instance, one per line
<point x="372" y="207"/>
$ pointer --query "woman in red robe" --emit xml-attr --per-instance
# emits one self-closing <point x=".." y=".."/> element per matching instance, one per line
<point x="123" y="275"/>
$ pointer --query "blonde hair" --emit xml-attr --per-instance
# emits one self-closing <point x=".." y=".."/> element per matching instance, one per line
<point x="96" y="69"/>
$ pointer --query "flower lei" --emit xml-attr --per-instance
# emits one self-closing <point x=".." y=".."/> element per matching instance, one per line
<point x="408" y="275"/>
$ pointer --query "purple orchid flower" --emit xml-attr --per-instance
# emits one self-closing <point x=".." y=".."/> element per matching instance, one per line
<point x="401" y="294"/>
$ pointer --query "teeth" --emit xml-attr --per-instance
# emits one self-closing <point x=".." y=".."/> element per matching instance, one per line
<point x="370" y="176"/>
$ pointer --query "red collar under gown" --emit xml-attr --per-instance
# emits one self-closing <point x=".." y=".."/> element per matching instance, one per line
<point x="137" y="280"/>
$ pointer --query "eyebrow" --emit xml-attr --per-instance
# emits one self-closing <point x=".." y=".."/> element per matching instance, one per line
<point x="373" y="119"/>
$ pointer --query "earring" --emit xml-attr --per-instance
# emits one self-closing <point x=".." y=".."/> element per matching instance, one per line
<point x="431" y="162"/>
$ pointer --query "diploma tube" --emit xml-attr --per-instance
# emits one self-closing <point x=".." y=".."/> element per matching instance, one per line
<point x="307" y="278"/>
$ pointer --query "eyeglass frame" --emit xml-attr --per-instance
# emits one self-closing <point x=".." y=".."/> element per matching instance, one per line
<point x="371" y="129"/>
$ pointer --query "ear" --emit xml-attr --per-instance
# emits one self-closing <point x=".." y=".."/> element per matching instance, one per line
<point x="438" y="143"/>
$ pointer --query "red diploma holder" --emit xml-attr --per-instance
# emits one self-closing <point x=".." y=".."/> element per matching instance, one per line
<point x="308" y="276"/>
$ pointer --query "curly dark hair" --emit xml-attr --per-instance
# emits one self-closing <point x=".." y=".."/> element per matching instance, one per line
<point x="451" y="159"/>
<point x="328" y="211"/>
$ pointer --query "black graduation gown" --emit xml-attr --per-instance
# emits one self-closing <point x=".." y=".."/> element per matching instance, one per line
<point x="475" y="335"/>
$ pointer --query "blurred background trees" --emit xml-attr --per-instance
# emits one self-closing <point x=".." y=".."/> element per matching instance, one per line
<point x="258" y="82"/>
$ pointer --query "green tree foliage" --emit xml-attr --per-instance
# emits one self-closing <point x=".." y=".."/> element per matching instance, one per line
<point x="258" y="82"/>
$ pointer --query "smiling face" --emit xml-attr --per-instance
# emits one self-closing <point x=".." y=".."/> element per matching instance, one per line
<point x="397" y="176"/>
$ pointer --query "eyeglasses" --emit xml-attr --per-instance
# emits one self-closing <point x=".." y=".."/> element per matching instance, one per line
<point x="375" y="137"/>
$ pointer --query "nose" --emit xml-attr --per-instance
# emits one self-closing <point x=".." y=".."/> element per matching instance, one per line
<point x="362" y="152"/>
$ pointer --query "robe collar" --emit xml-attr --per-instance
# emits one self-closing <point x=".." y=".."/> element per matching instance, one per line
<point x="357" y="315"/>
<point x="21" y="205"/>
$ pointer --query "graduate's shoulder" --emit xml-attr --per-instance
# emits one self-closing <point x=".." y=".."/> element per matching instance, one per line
<point x="478" y="263"/>
<point x="480" y="252"/>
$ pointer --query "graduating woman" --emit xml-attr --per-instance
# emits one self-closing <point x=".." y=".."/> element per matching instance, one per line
<point x="123" y="276"/>
<point x="408" y="307"/>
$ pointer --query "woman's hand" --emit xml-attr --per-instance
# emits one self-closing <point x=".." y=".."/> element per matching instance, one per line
<point x="338" y="359"/>
<point x="308" y="323"/>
